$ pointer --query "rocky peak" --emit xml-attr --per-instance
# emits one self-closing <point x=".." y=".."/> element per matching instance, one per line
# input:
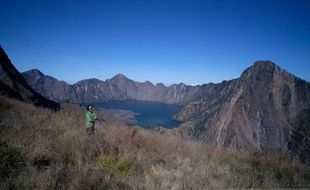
<point x="34" y="72"/>
<point x="149" y="83"/>
<point x="260" y="69"/>
<point x="88" y="81"/>
<point x="119" y="76"/>
<point x="264" y="64"/>
<point x="182" y="84"/>
<point x="265" y="72"/>
<point x="160" y="85"/>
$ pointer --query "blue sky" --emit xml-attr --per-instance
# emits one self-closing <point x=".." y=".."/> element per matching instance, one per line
<point x="169" y="41"/>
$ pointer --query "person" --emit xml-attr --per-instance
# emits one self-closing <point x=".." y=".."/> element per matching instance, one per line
<point x="90" y="120"/>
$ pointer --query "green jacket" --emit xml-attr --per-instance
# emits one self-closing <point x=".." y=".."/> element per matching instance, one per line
<point x="90" y="119"/>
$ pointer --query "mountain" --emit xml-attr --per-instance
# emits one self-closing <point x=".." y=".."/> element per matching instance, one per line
<point x="52" y="88"/>
<point x="14" y="85"/>
<point x="118" y="87"/>
<point x="266" y="108"/>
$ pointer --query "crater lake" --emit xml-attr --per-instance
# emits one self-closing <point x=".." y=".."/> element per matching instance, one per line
<point x="148" y="114"/>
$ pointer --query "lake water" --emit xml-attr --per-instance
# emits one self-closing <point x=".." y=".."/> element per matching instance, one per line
<point x="149" y="114"/>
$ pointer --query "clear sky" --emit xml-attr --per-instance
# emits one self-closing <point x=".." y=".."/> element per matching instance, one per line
<point x="169" y="41"/>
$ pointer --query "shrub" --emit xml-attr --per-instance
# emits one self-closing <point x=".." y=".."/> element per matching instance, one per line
<point x="112" y="165"/>
<point x="11" y="160"/>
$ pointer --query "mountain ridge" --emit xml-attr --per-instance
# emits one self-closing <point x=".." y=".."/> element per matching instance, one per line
<point x="13" y="84"/>
<point x="38" y="82"/>
<point x="117" y="77"/>
<point x="259" y="111"/>
<point x="266" y="108"/>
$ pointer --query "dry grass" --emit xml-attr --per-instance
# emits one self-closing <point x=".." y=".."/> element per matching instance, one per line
<point x="57" y="153"/>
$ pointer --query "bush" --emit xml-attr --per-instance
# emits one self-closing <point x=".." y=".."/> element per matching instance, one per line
<point x="110" y="164"/>
<point x="11" y="160"/>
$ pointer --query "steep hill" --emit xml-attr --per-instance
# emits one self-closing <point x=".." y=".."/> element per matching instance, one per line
<point x="13" y="84"/>
<point x="48" y="86"/>
<point x="265" y="109"/>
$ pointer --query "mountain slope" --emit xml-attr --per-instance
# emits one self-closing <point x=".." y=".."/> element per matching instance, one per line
<point x="13" y="84"/>
<point x="53" y="89"/>
<point x="265" y="109"/>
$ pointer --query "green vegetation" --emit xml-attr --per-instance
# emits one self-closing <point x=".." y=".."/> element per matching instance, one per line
<point x="109" y="164"/>
<point x="11" y="160"/>
<point x="41" y="149"/>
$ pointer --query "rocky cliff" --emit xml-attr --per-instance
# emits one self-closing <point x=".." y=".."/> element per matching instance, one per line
<point x="13" y="84"/>
<point x="267" y="108"/>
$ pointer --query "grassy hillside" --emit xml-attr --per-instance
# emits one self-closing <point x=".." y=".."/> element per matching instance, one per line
<point x="41" y="149"/>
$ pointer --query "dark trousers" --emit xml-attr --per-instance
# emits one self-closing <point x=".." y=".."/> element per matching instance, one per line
<point x="90" y="130"/>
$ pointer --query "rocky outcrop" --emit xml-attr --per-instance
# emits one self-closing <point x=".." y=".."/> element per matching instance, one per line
<point x="258" y="111"/>
<point x="14" y="85"/>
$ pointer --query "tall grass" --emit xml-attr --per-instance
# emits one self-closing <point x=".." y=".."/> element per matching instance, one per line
<point x="51" y="150"/>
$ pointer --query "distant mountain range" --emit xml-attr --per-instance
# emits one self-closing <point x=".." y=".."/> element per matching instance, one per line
<point x="266" y="108"/>
<point x="117" y="88"/>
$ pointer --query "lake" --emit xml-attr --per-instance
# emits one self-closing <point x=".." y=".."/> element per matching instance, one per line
<point x="149" y="114"/>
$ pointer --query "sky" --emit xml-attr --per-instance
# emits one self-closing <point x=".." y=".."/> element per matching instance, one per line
<point x="169" y="41"/>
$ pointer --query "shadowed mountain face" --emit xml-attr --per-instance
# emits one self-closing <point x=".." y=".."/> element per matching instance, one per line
<point x="14" y="85"/>
<point x="48" y="86"/>
<point x="265" y="109"/>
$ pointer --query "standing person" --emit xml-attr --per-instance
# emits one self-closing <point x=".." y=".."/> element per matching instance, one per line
<point x="90" y="120"/>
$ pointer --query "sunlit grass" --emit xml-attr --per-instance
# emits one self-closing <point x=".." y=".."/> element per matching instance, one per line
<point x="51" y="150"/>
